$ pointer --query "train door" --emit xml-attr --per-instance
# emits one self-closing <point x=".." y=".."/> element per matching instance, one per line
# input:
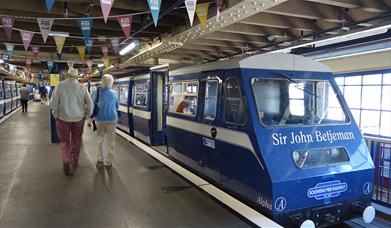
<point x="2" y="98"/>
<point x="130" y="107"/>
<point x="210" y="157"/>
<point x="158" y="106"/>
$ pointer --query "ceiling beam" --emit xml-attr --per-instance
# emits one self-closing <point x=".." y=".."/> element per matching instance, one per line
<point x="232" y="37"/>
<point x="368" y="6"/>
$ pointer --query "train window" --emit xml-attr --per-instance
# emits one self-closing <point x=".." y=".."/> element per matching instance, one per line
<point x="141" y="94"/>
<point x="297" y="102"/>
<point x="234" y="109"/>
<point x="183" y="97"/>
<point x="123" y="95"/>
<point x="319" y="157"/>
<point x="212" y="87"/>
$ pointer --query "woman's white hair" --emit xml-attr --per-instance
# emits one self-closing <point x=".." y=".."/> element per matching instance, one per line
<point x="107" y="81"/>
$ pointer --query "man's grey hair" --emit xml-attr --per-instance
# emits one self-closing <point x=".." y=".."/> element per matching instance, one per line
<point x="107" y="81"/>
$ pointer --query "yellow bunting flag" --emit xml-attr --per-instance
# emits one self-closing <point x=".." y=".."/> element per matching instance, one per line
<point x="54" y="79"/>
<point x="202" y="13"/>
<point x="60" y="40"/>
<point x="82" y="51"/>
<point x="106" y="62"/>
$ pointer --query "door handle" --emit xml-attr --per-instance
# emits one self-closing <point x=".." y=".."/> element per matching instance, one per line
<point x="213" y="132"/>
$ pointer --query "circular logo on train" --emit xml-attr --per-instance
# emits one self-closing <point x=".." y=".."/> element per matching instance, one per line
<point x="280" y="204"/>
<point x="367" y="189"/>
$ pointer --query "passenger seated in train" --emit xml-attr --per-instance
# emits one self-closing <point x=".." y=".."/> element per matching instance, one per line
<point x="187" y="105"/>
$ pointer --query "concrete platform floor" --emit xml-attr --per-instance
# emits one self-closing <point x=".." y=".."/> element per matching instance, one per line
<point x="136" y="192"/>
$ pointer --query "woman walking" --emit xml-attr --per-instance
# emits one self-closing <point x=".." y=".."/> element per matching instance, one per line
<point x="106" y="119"/>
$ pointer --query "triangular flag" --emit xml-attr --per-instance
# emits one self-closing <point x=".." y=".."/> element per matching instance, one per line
<point x="106" y="7"/>
<point x="89" y="65"/>
<point x="105" y="51"/>
<point x="10" y="50"/>
<point x="50" y="64"/>
<point x="82" y="51"/>
<point x="100" y="69"/>
<point x="126" y="24"/>
<point x="202" y="13"/>
<point x="219" y="7"/>
<point x="27" y="36"/>
<point x="154" y="6"/>
<point x="8" y="24"/>
<point x="45" y="25"/>
<point x="70" y="64"/>
<point x="59" y="40"/>
<point x="89" y="44"/>
<point x="28" y="63"/>
<point x="49" y="4"/>
<point x="58" y="54"/>
<point x="190" y="6"/>
<point x="85" y="27"/>
<point x="35" y="50"/>
<point x="115" y="44"/>
<point x="106" y="62"/>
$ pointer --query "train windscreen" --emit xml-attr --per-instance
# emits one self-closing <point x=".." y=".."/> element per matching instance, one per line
<point x="297" y="102"/>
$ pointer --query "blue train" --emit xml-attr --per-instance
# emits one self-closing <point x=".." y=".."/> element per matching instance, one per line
<point x="272" y="130"/>
<point x="9" y="96"/>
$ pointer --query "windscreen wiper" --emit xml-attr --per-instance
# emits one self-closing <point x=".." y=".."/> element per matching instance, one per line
<point x="286" y="77"/>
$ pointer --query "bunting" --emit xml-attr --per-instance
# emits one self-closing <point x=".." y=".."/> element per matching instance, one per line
<point x="82" y="51"/>
<point x="106" y="62"/>
<point x="49" y="5"/>
<point x="202" y="13"/>
<point x="89" y="65"/>
<point x="89" y="44"/>
<point x="190" y="7"/>
<point x="126" y="24"/>
<point x="154" y="6"/>
<point x="115" y="45"/>
<point x="105" y="51"/>
<point x="70" y="64"/>
<point x="85" y="27"/>
<point x="59" y="40"/>
<point x="45" y="25"/>
<point x="106" y="7"/>
<point x="27" y="36"/>
<point x="50" y="64"/>
<point x="28" y="63"/>
<point x="10" y="50"/>
<point x="8" y="24"/>
<point x="35" y="50"/>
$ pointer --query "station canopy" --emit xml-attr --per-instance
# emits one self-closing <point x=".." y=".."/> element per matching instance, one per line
<point x="126" y="36"/>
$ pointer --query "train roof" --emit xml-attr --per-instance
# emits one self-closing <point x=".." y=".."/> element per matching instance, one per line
<point x="271" y="61"/>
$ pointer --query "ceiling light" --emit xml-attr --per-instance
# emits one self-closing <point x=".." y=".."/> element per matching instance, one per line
<point x="127" y="49"/>
<point x="1" y="61"/>
<point x="101" y="65"/>
<point x="54" y="33"/>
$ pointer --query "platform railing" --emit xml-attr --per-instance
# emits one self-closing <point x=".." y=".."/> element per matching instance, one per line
<point x="380" y="150"/>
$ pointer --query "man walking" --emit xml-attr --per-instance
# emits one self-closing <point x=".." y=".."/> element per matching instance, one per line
<point x="24" y="97"/>
<point x="70" y="104"/>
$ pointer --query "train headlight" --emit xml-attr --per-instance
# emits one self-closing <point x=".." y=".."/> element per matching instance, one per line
<point x="308" y="224"/>
<point x="296" y="156"/>
<point x="369" y="214"/>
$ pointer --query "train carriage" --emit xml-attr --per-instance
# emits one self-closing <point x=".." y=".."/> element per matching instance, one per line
<point x="17" y="98"/>
<point x="14" y="95"/>
<point x="275" y="131"/>
<point x="123" y="87"/>
<point x="1" y="98"/>
<point x="149" y="106"/>
<point x="7" y="97"/>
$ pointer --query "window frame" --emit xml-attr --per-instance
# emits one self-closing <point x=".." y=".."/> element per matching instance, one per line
<point x="145" y="107"/>
<point x="184" y="92"/>
<point x="242" y="99"/>
<point x="383" y="112"/>
<point x="218" y="80"/>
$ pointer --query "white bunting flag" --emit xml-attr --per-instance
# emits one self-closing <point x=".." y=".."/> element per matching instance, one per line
<point x="190" y="6"/>
<point x="45" y="25"/>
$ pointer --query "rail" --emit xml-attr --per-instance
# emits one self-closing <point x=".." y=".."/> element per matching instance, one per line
<point x="380" y="150"/>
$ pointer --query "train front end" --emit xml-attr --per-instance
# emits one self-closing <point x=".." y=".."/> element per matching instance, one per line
<point x="318" y="162"/>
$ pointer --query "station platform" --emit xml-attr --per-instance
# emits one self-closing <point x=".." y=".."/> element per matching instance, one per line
<point x="137" y="191"/>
